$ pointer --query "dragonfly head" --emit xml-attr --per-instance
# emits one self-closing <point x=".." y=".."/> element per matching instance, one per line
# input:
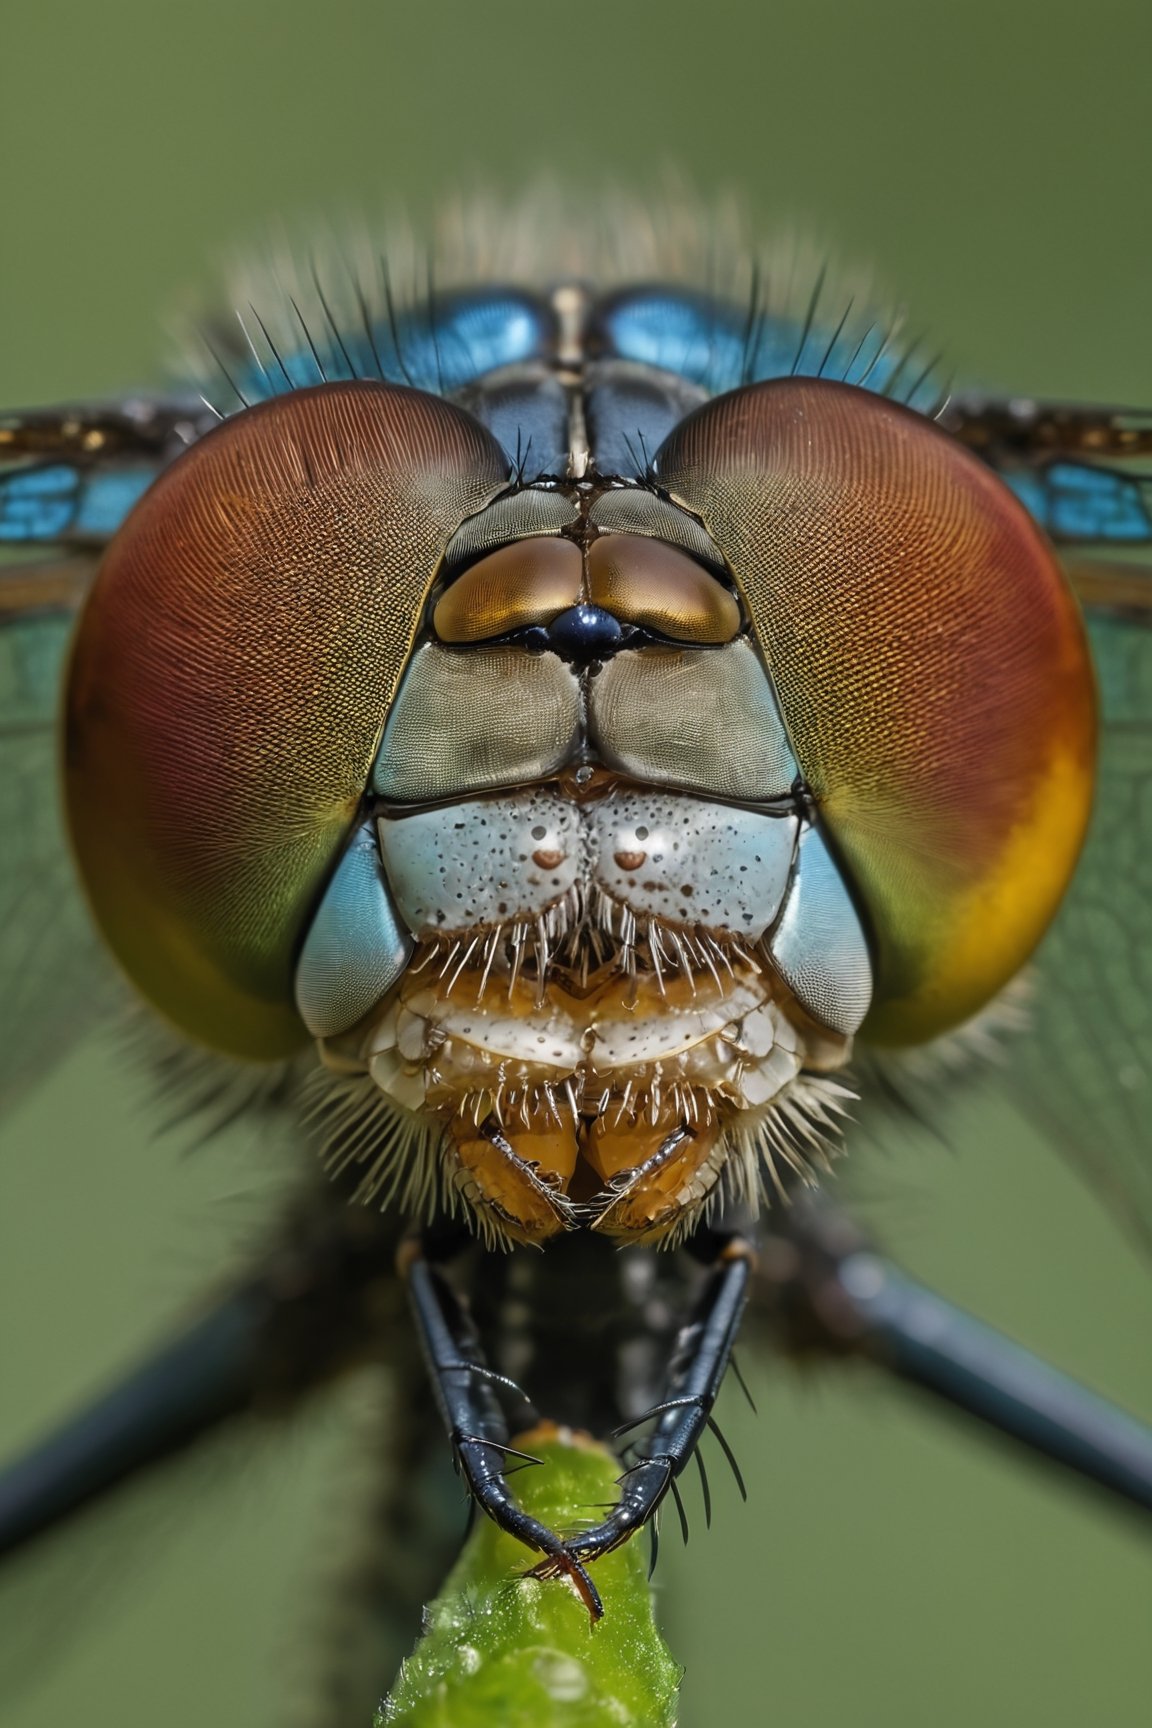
<point x="584" y="822"/>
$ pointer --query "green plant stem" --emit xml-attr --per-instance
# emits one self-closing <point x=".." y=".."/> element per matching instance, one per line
<point x="500" y="1647"/>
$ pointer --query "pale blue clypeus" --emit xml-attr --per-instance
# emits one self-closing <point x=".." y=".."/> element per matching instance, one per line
<point x="356" y="946"/>
<point x="819" y="946"/>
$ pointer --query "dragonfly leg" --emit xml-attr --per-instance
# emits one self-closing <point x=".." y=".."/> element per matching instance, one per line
<point x="467" y="1392"/>
<point x="826" y="1291"/>
<point x="309" y="1307"/>
<point x="685" y="1411"/>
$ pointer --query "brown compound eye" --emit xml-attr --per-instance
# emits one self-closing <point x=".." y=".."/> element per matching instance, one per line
<point x="648" y="583"/>
<point x="231" y="675"/>
<point x="931" y="667"/>
<point x="529" y="582"/>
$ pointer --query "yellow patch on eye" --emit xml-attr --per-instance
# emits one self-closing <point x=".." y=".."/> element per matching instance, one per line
<point x="931" y="667"/>
<point x="991" y="929"/>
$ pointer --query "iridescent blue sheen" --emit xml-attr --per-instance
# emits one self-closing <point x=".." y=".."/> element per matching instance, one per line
<point x="688" y="334"/>
<point x="356" y="947"/>
<point x="819" y="945"/>
<point x="1076" y="502"/>
<point x="439" y="347"/>
<point x="718" y="347"/>
<point x="66" y="503"/>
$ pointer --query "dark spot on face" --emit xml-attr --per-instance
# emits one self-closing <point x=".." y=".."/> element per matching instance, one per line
<point x="687" y="890"/>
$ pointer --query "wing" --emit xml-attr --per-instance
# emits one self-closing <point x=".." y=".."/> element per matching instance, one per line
<point x="1085" y="1070"/>
<point x="68" y="477"/>
<point x="1085" y="473"/>
<point x="1088" y="1069"/>
<point x="55" y="977"/>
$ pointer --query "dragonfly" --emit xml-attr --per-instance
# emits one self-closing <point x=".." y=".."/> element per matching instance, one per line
<point x="579" y="737"/>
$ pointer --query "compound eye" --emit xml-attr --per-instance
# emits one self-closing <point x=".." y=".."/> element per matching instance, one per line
<point x="231" y="676"/>
<point x="647" y="583"/>
<point x="931" y="667"/>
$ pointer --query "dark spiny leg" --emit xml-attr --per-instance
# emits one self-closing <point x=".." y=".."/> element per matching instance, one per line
<point x="825" y="1291"/>
<point x="685" y="1411"/>
<point x="316" y="1301"/>
<point x="466" y="1392"/>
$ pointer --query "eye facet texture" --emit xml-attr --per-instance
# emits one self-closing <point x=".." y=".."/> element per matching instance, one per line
<point x="645" y="582"/>
<point x="231" y="677"/>
<point x="931" y="667"/>
<point x="528" y="582"/>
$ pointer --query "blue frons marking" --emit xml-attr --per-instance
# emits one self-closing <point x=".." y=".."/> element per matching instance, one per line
<point x="712" y="345"/>
<point x="689" y="334"/>
<point x="1076" y="502"/>
<point x="438" y="348"/>
<point x="65" y="503"/>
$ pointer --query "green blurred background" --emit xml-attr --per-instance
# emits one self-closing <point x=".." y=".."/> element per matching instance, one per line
<point x="993" y="160"/>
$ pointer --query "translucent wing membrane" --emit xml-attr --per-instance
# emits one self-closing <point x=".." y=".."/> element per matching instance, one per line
<point x="1087" y="1065"/>
<point x="1084" y="473"/>
<point x="202" y="1412"/>
<point x="69" y="476"/>
<point x="55" y="975"/>
<point x="1085" y="1068"/>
